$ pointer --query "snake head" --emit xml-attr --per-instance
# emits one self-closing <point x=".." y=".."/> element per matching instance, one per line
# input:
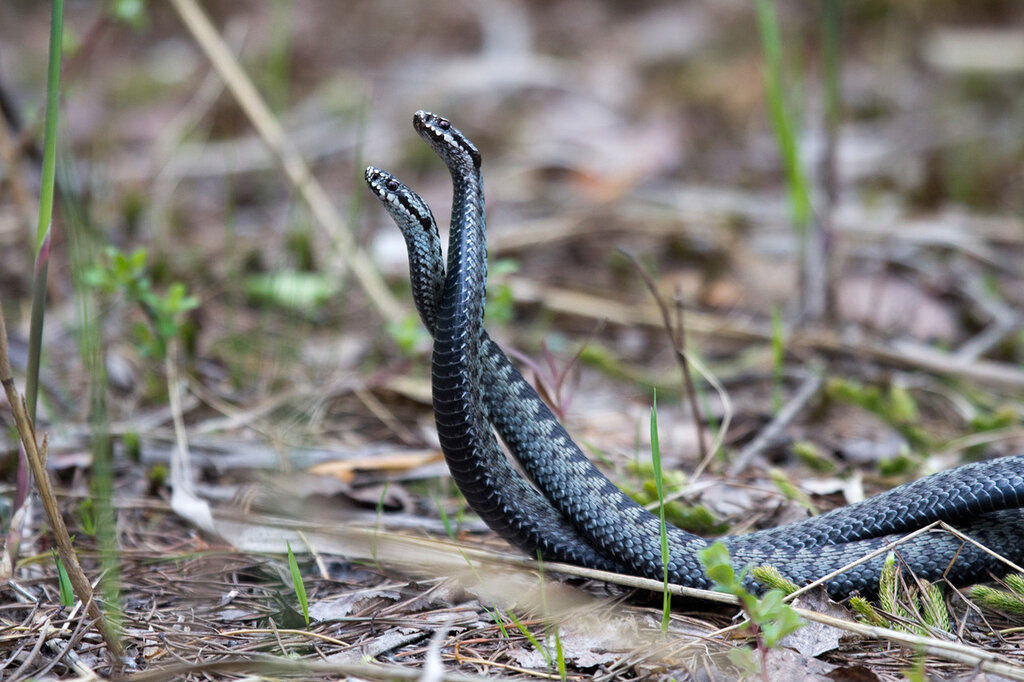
<point x="446" y="140"/>
<point x="405" y="206"/>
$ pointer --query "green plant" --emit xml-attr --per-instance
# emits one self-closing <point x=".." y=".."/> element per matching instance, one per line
<point x="896" y="407"/>
<point x="67" y="594"/>
<point x="127" y="275"/>
<point x="1010" y="600"/>
<point x="783" y="120"/>
<point x="300" y="587"/>
<point x="770" y="577"/>
<point x="925" y="606"/>
<point x="769" y="619"/>
<point x="87" y="516"/>
<point x="666" y="607"/>
<point x="792" y="491"/>
<point x="533" y="640"/>
<point x="552" y="629"/>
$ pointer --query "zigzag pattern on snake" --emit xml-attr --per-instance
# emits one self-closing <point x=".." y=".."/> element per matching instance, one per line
<point x="572" y="512"/>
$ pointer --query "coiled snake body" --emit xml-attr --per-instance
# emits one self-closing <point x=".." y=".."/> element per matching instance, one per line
<point x="572" y="512"/>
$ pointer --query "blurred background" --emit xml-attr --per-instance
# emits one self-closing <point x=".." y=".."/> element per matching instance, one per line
<point x="825" y="196"/>
<point x="733" y="148"/>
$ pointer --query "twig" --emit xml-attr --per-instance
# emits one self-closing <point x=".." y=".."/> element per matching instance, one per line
<point x="184" y="501"/>
<point x="983" y="548"/>
<point x="678" y="339"/>
<point x="291" y="161"/>
<point x="810" y="387"/>
<point x="951" y="651"/>
<point x="275" y="666"/>
<point x="864" y="559"/>
<point x="36" y="457"/>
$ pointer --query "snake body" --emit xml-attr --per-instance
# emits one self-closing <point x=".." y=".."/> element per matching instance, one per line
<point x="580" y="516"/>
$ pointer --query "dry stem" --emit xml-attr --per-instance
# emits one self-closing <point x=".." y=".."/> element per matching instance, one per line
<point x="36" y="457"/>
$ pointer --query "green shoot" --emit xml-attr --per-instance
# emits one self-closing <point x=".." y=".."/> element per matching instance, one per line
<point x="782" y="120"/>
<point x="127" y="275"/>
<point x="552" y="628"/>
<point x="666" y="607"/>
<point x="497" y="620"/>
<point x="792" y="491"/>
<point x="67" y="594"/>
<point x="770" y="577"/>
<point x="300" y="587"/>
<point x="933" y="607"/>
<point x="769" y="618"/>
<point x="1008" y="601"/>
<point x="87" y="516"/>
<point x="926" y="606"/>
<point x="42" y="253"/>
<point x="560" y="656"/>
<point x="863" y="608"/>
<point x="533" y="640"/>
<point x="887" y="586"/>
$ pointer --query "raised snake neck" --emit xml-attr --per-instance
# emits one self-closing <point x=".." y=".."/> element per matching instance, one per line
<point x="475" y="383"/>
<point x="503" y="498"/>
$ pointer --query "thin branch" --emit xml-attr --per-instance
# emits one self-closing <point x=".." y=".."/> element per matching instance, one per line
<point x="678" y="339"/>
<point x="810" y="387"/>
<point x="36" y="457"/>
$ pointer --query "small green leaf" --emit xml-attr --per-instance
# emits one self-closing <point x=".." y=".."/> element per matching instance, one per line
<point x="300" y="588"/>
<point x="67" y="594"/>
<point x="87" y="516"/>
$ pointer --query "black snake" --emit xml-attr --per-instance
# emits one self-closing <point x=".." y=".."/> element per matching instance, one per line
<point x="572" y="512"/>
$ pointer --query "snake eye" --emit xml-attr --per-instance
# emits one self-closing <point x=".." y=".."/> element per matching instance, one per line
<point x="443" y="124"/>
<point x="392" y="185"/>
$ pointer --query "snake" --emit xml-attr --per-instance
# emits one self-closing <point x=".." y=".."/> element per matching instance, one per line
<point x="565" y="509"/>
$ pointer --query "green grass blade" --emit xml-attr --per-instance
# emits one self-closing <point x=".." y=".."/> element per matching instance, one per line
<point x="300" y="587"/>
<point x="42" y="255"/>
<point x="533" y="640"/>
<point x="660" y="489"/>
<point x="67" y="594"/>
<point x="50" y="124"/>
<point x="782" y="120"/>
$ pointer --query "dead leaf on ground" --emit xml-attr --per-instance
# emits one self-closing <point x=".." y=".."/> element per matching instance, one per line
<point x="406" y="460"/>
<point x="815" y="639"/>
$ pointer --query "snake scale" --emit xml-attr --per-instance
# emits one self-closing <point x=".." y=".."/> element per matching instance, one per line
<point x="569" y="511"/>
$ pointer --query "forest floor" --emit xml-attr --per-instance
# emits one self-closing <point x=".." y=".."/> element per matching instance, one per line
<point x="853" y="322"/>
